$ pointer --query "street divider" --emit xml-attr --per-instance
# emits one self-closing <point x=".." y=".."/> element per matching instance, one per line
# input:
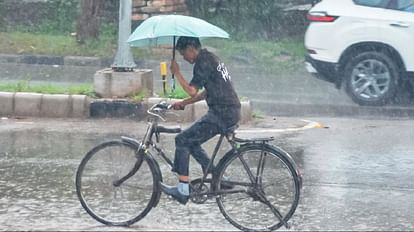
<point x="23" y="104"/>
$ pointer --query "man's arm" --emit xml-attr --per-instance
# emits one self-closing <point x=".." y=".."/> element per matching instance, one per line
<point x="200" y="96"/>
<point x="191" y="90"/>
<point x="181" y="104"/>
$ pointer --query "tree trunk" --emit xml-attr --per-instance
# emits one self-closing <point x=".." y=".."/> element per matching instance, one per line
<point x="88" y="21"/>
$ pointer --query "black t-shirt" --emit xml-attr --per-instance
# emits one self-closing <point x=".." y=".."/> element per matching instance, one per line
<point x="212" y="75"/>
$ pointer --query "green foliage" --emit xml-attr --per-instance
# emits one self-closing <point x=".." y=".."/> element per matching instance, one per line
<point x="257" y="115"/>
<point x="25" y="86"/>
<point x="178" y="93"/>
<point x="247" y="19"/>
<point x="52" y="17"/>
<point x="136" y="98"/>
<point x="28" y="43"/>
<point x="268" y="56"/>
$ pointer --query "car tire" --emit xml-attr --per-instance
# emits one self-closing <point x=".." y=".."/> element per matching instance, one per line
<point x="371" y="78"/>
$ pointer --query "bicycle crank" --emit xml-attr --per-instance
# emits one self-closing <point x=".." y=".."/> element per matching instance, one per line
<point x="199" y="192"/>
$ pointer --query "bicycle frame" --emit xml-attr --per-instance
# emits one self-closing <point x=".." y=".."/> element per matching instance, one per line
<point x="251" y="184"/>
<point x="154" y="128"/>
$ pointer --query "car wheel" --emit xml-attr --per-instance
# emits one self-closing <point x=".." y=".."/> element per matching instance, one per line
<point x="371" y="78"/>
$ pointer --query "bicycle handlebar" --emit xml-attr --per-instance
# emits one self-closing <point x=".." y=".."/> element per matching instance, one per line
<point x="159" y="109"/>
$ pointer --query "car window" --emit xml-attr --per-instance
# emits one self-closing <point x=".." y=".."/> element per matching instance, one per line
<point x="406" y="5"/>
<point x="372" y="3"/>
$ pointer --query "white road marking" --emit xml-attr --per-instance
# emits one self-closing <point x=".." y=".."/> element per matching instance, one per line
<point x="309" y="125"/>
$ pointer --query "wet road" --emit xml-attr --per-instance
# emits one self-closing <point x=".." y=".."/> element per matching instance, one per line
<point x="357" y="175"/>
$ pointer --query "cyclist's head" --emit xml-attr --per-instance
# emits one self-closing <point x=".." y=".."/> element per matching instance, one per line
<point x="189" y="48"/>
<point x="185" y="42"/>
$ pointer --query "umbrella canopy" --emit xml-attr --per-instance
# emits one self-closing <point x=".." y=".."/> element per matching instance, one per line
<point x="162" y="29"/>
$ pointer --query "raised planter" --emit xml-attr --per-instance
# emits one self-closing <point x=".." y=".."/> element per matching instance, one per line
<point x="111" y="84"/>
<point x="61" y="106"/>
<point x="107" y="108"/>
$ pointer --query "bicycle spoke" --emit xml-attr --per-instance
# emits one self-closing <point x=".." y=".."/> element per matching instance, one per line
<point x="270" y="189"/>
<point x="275" y="211"/>
<point x="260" y="167"/>
<point x="246" y="167"/>
<point x="109" y="187"/>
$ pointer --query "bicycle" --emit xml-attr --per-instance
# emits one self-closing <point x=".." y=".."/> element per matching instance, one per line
<point x="256" y="185"/>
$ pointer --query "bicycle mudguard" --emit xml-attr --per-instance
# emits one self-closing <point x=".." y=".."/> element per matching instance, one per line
<point x="291" y="160"/>
<point x="252" y="144"/>
<point x="152" y="162"/>
<point x="159" y="175"/>
<point x="131" y="141"/>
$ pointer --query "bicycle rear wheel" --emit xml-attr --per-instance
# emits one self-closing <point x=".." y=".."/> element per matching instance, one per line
<point x="268" y="184"/>
<point x="99" y="193"/>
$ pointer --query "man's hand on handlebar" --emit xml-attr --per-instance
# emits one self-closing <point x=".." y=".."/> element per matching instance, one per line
<point x="178" y="105"/>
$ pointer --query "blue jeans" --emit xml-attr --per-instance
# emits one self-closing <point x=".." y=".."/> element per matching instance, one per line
<point x="189" y="141"/>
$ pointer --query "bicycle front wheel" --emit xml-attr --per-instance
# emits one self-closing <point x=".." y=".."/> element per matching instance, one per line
<point x="264" y="188"/>
<point x="115" y="185"/>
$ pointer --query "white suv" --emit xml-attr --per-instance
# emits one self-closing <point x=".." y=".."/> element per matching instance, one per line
<point x="367" y="45"/>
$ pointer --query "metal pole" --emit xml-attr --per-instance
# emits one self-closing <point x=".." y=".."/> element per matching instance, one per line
<point x="163" y="71"/>
<point x="124" y="62"/>
<point x="172" y="76"/>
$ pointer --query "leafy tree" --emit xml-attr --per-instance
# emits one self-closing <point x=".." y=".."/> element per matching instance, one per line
<point x="89" y="20"/>
<point x="266" y="19"/>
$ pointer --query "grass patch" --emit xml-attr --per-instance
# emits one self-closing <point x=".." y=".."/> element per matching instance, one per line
<point x="29" y="43"/>
<point x="269" y="56"/>
<point x="25" y="86"/>
<point x="178" y="93"/>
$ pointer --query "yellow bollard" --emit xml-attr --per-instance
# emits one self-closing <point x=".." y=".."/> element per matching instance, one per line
<point x="164" y="72"/>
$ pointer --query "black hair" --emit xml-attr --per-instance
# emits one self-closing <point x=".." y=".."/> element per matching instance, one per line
<point x="185" y="41"/>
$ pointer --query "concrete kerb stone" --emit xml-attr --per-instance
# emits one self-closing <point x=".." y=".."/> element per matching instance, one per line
<point x="179" y="116"/>
<point x="196" y="111"/>
<point x="60" y="105"/>
<point x="82" y="61"/>
<point x="27" y="104"/>
<point x="116" y="108"/>
<point x="56" y="105"/>
<point x="246" y="112"/>
<point x="10" y="58"/>
<point x="44" y="105"/>
<point x="6" y="103"/>
<point x="108" y="83"/>
<point x="80" y="106"/>
<point x="200" y="109"/>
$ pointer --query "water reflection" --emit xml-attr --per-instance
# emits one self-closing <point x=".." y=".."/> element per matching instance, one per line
<point x="36" y="175"/>
<point x="37" y="187"/>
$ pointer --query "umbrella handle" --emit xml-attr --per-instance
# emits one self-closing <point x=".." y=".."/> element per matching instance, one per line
<point x="172" y="77"/>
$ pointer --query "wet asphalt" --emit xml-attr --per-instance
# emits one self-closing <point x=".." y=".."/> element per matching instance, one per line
<point x="357" y="174"/>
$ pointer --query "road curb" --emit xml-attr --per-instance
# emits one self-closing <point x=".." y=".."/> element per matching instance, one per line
<point x="23" y="104"/>
<point x="36" y="59"/>
<point x="113" y="108"/>
<point x="52" y="60"/>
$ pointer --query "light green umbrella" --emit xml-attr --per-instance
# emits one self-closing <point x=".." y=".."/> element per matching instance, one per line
<point x="164" y="29"/>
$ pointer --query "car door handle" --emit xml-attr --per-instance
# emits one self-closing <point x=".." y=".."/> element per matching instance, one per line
<point x="400" y="24"/>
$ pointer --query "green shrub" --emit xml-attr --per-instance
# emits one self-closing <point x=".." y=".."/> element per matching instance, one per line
<point x="25" y="86"/>
<point x="247" y="19"/>
<point x="178" y="93"/>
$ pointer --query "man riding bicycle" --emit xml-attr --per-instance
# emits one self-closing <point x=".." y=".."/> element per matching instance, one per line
<point x="211" y="82"/>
